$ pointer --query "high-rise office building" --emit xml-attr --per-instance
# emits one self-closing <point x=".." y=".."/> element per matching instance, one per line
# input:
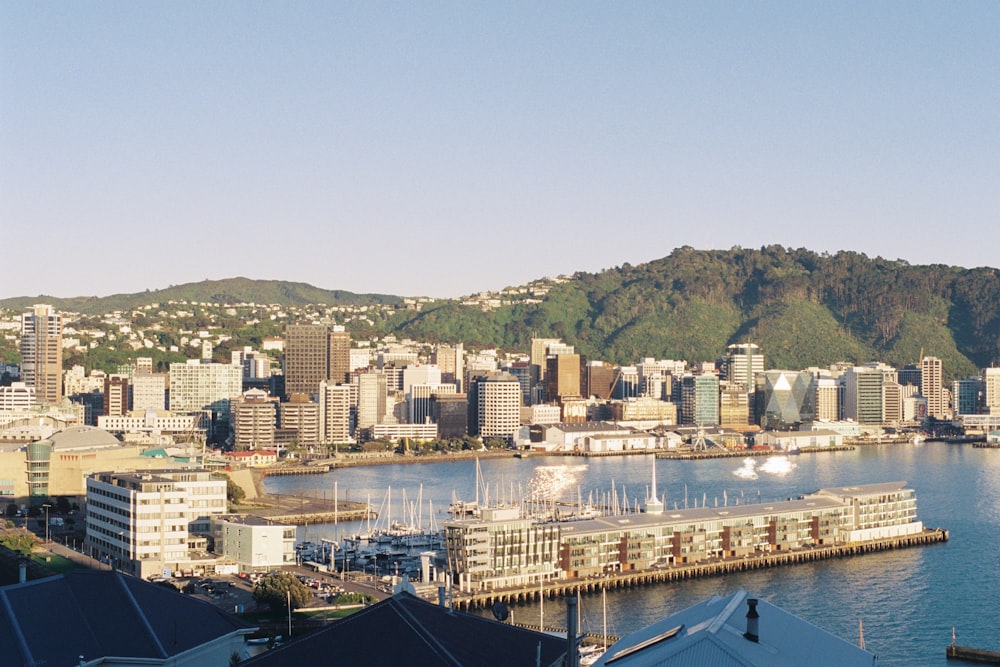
<point x="498" y="405"/>
<point x="598" y="378"/>
<point x="784" y="398"/>
<point x="451" y="414"/>
<point x="563" y="375"/>
<point x="315" y="353"/>
<point x="301" y="415"/>
<point x="336" y="412"/>
<point x="892" y="403"/>
<point x="419" y="400"/>
<point x="115" y="395"/>
<point x="196" y="386"/>
<point x="932" y="387"/>
<point x="734" y="406"/>
<point x="742" y="364"/>
<point x="826" y="398"/>
<point x="700" y="399"/>
<point x="372" y="398"/>
<point x="254" y="421"/>
<point x="967" y="395"/>
<point x="451" y="360"/>
<point x="338" y="355"/>
<point x="539" y="351"/>
<point x="862" y="395"/>
<point x="149" y="391"/>
<point x="41" y="353"/>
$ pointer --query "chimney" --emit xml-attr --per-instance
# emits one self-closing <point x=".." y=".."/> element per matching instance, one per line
<point x="22" y="570"/>
<point x="442" y="600"/>
<point x="752" y="617"/>
<point x="572" y="652"/>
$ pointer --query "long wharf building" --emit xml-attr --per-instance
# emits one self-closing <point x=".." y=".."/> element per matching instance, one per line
<point x="502" y="549"/>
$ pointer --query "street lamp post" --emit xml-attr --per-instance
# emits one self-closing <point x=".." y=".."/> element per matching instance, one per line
<point x="46" y="506"/>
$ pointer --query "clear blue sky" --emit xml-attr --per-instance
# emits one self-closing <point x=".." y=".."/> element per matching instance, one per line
<point x="446" y="148"/>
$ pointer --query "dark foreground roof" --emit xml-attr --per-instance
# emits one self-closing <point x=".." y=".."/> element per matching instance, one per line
<point x="405" y="630"/>
<point x="55" y="621"/>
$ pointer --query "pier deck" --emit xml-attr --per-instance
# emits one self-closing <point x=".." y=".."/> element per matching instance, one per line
<point x="300" y="510"/>
<point x="973" y="655"/>
<point x="564" y="587"/>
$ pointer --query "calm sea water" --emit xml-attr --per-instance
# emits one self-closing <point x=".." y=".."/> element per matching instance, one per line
<point x="908" y="600"/>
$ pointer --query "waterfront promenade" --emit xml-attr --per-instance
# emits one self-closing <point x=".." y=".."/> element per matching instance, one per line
<point x="709" y="568"/>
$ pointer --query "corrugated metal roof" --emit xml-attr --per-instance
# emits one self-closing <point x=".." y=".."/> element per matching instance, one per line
<point x="712" y="635"/>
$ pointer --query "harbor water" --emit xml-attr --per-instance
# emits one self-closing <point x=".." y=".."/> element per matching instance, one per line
<point x="907" y="600"/>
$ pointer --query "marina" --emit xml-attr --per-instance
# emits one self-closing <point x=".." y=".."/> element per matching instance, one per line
<point x="894" y="591"/>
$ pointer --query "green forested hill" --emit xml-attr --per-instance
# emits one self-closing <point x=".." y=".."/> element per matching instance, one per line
<point x="230" y="290"/>
<point x="803" y="308"/>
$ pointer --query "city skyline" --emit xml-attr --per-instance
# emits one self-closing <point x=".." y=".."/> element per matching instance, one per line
<point x="190" y="142"/>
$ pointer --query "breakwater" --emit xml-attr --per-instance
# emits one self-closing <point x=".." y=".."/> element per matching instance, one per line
<point x="619" y="580"/>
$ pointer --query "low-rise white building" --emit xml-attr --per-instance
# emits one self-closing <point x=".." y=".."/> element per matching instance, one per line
<point x="794" y="440"/>
<point x="254" y="543"/>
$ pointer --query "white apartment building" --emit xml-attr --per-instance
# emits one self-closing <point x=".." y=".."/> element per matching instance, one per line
<point x="499" y="405"/>
<point x="335" y="412"/>
<point x="932" y="387"/>
<point x="17" y="397"/>
<point x="76" y="381"/>
<point x="153" y="422"/>
<point x="195" y="386"/>
<point x="254" y="419"/>
<point x="254" y="543"/>
<point x="144" y="522"/>
<point x="149" y="391"/>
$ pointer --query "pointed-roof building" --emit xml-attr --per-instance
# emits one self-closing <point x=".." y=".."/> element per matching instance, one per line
<point x="734" y="631"/>
<point x="405" y="630"/>
<point x="88" y="617"/>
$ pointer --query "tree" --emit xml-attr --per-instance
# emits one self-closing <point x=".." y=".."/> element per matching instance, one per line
<point x="11" y="510"/>
<point x="274" y="589"/>
<point x="234" y="492"/>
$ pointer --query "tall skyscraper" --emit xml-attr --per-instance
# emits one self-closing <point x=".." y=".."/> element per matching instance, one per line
<point x="743" y="362"/>
<point x="451" y="360"/>
<point x="967" y="395"/>
<point x="41" y="353"/>
<point x="116" y="395"/>
<point x="540" y="350"/>
<point x="335" y="412"/>
<point x="254" y="421"/>
<point x="863" y="395"/>
<point x="498" y="403"/>
<point x="197" y="386"/>
<point x="932" y="387"/>
<point x="562" y="376"/>
<point x="149" y="391"/>
<point x="700" y="399"/>
<point x="372" y="393"/>
<point x="315" y="353"/>
<point x="338" y="355"/>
